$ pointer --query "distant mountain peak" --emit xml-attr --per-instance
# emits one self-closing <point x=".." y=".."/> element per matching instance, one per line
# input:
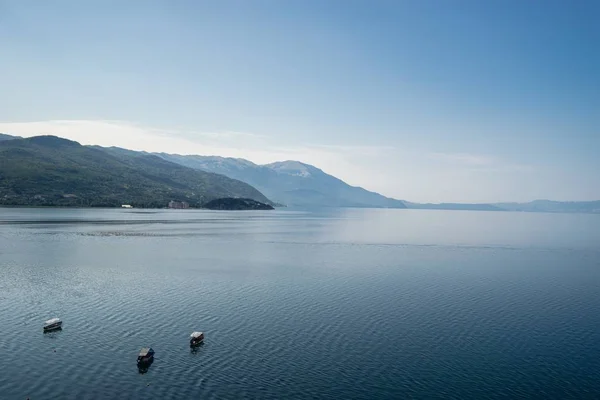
<point x="291" y="164"/>
<point x="290" y="182"/>
<point x="240" y="162"/>
<point x="291" y="167"/>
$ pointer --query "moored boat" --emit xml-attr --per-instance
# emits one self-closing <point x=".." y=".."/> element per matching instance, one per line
<point x="146" y="355"/>
<point x="52" y="325"/>
<point x="196" y="338"/>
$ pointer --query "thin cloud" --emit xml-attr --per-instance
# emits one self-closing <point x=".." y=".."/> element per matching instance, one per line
<point x="479" y="162"/>
<point x="394" y="172"/>
<point x="132" y="136"/>
<point x="256" y="147"/>
<point x="359" y="151"/>
<point x="354" y="164"/>
<point x="465" y="159"/>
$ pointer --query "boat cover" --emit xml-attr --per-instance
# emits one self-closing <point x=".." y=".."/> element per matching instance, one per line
<point x="52" y="321"/>
<point x="146" y="351"/>
<point x="196" y="334"/>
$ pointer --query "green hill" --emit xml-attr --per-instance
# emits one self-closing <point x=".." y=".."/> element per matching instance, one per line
<point x="236" y="204"/>
<point x="51" y="171"/>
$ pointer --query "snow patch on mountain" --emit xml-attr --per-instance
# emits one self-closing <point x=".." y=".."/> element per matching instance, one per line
<point x="293" y="168"/>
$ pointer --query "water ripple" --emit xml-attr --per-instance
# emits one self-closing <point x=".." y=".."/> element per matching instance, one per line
<point x="288" y="313"/>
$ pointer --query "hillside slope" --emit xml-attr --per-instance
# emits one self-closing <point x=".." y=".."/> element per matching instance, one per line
<point x="289" y="182"/>
<point x="4" y="137"/>
<point x="47" y="170"/>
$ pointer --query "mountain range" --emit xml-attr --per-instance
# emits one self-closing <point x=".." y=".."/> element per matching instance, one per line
<point x="51" y="171"/>
<point x="289" y="182"/>
<point x="38" y="169"/>
<point x="298" y="184"/>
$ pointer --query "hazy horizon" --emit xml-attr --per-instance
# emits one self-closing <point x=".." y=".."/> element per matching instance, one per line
<point x="292" y="160"/>
<point x="422" y="101"/>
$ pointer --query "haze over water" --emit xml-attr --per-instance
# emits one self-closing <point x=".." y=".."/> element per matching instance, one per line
<point x="300" y="304"/>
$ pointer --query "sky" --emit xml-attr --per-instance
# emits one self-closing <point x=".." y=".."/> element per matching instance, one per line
<point x="426" y="101"/>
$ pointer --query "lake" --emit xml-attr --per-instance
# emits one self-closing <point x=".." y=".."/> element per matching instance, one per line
<point x="327" y="304"/>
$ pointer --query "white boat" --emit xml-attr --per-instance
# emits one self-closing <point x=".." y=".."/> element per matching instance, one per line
<point x="52" y="324"/>
<point x="196" y="338"/>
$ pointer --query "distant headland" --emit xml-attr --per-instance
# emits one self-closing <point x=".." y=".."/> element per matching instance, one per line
<point x="236" y="204"/>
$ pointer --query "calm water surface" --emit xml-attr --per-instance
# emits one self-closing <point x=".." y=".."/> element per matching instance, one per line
<point x="338" y="304"/>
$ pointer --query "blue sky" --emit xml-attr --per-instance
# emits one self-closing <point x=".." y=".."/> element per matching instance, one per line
<point x="470" y="101"/>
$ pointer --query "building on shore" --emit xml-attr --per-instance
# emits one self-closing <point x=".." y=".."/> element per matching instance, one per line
<point x="178" y="204"/>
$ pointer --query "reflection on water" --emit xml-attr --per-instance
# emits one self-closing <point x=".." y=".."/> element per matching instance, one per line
<point x="49" y="332"/>
<point x="144" y="366"/>
<point x="327" y="304"/>
<point x="195" y="348"/>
